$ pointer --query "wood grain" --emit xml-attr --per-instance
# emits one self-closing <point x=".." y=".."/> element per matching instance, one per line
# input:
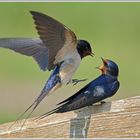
<point x="117" y="119"/>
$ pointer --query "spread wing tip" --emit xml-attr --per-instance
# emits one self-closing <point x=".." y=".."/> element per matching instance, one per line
<point x="33" y="12"/>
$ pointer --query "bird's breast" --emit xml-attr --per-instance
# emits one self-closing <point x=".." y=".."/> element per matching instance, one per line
<point x="68" y="67"/>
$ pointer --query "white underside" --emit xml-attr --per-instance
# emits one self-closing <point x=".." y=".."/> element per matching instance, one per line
<point x="69" y="66"/>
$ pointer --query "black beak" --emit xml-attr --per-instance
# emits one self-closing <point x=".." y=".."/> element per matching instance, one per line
<point x="104" y="61"/>
<point x="92" y="54"/>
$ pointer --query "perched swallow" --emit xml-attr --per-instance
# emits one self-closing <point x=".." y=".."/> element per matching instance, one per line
<point x="106" y="85"/>
<point x="57" y="49"/>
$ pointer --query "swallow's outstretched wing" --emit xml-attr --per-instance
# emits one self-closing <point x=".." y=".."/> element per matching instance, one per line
<point x="28" y="47"/>
<point x="55" y="42"/>
<point x="58" y="39"/>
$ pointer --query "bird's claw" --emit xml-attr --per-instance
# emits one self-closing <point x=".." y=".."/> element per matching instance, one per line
<point x="76" y="81"/>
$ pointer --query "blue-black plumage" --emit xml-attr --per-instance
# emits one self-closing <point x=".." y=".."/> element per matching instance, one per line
<point x="104" y="86"/>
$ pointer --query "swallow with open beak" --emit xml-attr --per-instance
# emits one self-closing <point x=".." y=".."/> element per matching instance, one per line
<point x="106" y="85"/>
<point x="57" y="49"/>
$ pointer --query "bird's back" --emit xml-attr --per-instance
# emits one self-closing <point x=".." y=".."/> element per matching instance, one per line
<point x="97" y="90"/>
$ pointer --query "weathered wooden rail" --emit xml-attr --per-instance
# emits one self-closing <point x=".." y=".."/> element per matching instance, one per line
<point x="116" y="119"/>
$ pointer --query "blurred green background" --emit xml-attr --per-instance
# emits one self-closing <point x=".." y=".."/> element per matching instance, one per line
<point x="113" y="29"/>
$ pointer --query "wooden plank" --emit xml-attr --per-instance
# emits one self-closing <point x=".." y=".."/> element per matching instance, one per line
<point x="117" y="119"/>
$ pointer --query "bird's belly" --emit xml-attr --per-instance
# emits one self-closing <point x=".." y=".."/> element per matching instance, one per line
<point x="68" y="68"/>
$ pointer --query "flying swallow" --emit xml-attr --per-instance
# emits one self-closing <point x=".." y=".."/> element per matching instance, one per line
<point x="57" y="49"/>
<point x="106" y="85"/>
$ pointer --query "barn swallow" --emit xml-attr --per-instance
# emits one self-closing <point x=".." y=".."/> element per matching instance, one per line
<point x="57" y="49"/>
<point x="106" y="85"/>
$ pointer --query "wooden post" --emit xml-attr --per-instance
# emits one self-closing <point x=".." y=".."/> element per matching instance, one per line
<point x="116" y="119"/>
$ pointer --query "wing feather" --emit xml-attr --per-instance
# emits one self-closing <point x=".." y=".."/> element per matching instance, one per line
<point x="28" y="47"/>
<point x="54" y="35"/>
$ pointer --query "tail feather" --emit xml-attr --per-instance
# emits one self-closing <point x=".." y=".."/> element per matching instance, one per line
<point x="48" y="113"/>
<point x="34" y="105"/>
<point x="22" y="115"/>
<point x="26" y="119"/>
<point x="51" y="85"/>
<point x="60" y="109"/>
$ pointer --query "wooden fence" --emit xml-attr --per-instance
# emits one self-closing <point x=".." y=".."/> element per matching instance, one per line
<point x="117" y="119"/>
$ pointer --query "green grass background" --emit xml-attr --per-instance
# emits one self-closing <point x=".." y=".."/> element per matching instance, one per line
<point x="113" y="30"/>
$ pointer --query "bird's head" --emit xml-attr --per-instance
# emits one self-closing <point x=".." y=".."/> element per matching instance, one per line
<point x="84" y="48"/>
<point x="109" y="67"/>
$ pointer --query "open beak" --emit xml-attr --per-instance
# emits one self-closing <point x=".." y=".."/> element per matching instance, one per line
<point x="102" y="67"/>
<point x="91" y="54"/>
<point x="104" y="61"/>
<point x="86" y="53"/>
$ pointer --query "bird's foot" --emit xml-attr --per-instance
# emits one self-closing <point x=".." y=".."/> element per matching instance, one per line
<point x="76" y="81"/>
<point x="102" y="102"/>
